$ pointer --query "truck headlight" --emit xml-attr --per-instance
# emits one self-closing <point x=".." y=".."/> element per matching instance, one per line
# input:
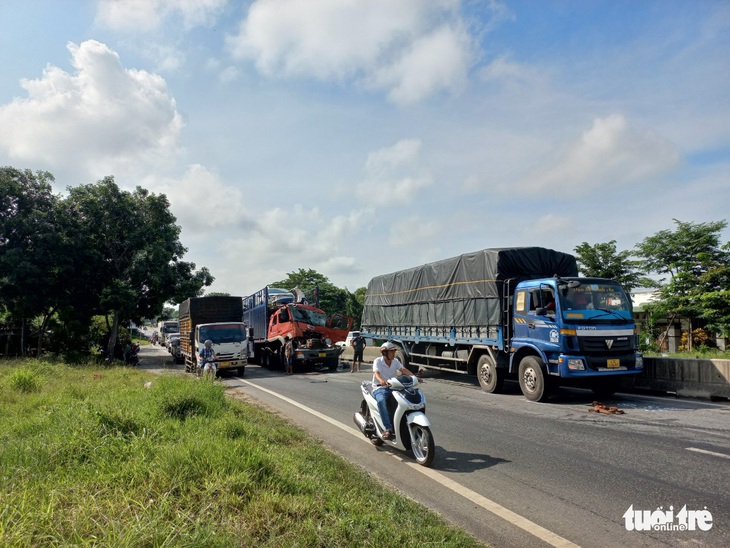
<point x="576" y="365"/>
<point x="639" y="361"/>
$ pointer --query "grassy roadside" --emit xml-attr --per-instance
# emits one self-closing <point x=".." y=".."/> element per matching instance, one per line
<point x="91" y="456"/>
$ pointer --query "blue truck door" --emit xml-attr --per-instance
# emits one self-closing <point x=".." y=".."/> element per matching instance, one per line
<point x="530" y="327"/>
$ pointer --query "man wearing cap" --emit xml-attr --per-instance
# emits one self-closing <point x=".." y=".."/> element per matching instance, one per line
<point x="384" y="368"/>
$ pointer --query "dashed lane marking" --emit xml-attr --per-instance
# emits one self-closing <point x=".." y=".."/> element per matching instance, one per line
<point x="706" y="452"/>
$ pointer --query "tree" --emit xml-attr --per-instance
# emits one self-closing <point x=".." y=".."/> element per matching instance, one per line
<point x="32" y="271"/>
<point x="697" y="265"/>
<point x="134" y="250"/>
<point x="603" y="261"/>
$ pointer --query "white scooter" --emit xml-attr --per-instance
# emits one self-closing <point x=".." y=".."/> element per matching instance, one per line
<point x="407" y="409"/>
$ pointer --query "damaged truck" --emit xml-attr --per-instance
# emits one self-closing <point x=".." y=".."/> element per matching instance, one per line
<point x="273" y="314"/>
<point x="508" y="313"/>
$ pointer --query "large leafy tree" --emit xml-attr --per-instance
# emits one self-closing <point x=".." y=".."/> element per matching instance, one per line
<point x="604" y="261"/>
<point x="34" y="265"/>
<point x="132" y="252"/>
<point x="697" y="265"/>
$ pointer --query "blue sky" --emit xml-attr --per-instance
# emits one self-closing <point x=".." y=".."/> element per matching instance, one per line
<point x="359" y="137"/>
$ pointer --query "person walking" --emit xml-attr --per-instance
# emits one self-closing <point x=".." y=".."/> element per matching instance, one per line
<point x="288" y="355"/>
<point x="358" y="346"/>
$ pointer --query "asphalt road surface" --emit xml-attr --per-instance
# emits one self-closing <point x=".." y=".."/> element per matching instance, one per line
<point x="518" y="473"/>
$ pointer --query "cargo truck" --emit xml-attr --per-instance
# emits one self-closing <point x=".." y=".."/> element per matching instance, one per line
<point x="166" y="328"/>
<point x="273" y="314"/>
<point x="508" y="313"/>
<point x="217" y="319"/>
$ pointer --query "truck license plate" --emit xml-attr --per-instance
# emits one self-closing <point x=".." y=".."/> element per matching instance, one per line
<point x="323" y="354"/>
<point x="223" y="364"/>
<point x="613" y="364"/>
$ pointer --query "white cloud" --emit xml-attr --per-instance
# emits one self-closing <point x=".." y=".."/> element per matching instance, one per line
<point x="103" y="118"/>
<point x="394" y="175"/>
<point x="508" y="72"/>
<point x="437" y="61"/>
<point x="202" y="202"/>
<point x="609" y="154"/>
<point x="410" y="48"/>
<point x="148" y="15"/>
<point x="284" y="240"/>
<point x="414" y="230"/>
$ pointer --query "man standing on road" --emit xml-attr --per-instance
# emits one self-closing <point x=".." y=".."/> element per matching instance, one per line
<point x="288" y="355"/>
<point x="358" y="345"/>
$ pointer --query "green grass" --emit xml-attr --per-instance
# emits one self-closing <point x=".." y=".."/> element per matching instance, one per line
<point x="90" y="457"/>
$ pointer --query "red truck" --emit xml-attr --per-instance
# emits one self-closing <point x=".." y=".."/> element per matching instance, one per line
<point x="274" y="314"/>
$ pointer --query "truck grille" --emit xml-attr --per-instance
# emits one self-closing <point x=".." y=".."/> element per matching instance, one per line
<point x="604" y="345"/>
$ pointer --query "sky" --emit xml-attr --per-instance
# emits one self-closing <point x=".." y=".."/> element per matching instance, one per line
<point x="361" y="137"/>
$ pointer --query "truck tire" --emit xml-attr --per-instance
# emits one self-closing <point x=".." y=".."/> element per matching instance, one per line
<point x="265" y="358"/>
<point x="241" y="371"/>
<point x="533" y="383"/>
<point x="490" y="378"/>
<point x="401" y="357"/>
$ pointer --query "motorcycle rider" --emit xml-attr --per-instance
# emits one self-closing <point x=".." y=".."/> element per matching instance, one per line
<point x="384" y="368"/>
<point x="207" y="359"/>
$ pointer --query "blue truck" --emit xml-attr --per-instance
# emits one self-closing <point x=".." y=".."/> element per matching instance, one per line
<point x="508" y="313"/>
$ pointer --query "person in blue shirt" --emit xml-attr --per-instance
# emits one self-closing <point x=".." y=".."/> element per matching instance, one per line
<point x="207" y="359"/>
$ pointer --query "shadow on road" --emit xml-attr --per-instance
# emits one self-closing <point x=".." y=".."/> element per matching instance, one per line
<point x="454" y="461"/>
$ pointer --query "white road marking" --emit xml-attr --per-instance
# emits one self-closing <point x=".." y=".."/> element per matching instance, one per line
<point x="696" y="450"/>
<point x="489" y="505"/>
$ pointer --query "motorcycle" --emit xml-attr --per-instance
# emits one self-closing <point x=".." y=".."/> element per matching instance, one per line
<point x="406" y="406"/>
<point x="132" y="357"/>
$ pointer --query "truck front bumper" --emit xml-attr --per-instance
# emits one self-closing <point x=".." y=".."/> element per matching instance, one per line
<point x="316" y="356"/>
<point x="572" y="366"/>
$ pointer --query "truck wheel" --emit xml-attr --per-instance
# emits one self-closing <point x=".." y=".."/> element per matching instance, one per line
<point x="401" y="357"/>
<point x="490" y="378"/>
<point x="333" y="364"/>
<point x="240" y="371"/>
<point x="265" y="359"/>
<point x="533" y="383"/>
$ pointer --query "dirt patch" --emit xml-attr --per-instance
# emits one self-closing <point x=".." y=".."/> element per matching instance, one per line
<point x="158" y="360"/>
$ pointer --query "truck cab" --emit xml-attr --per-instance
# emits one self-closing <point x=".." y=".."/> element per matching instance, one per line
<point x="311" y="331"/>
<point x="274" y="314"/>
<point x="230" y="344"/>
<point x="581" y="329"/>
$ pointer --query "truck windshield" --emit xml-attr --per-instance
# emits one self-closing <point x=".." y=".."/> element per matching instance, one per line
<point x="223" y="333"/>
<point x="603" y="301"/>
<point x="309" y="316"/>
<point x="170" y="327"/>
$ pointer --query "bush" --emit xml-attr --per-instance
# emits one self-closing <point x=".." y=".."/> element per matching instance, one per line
<point x="25" y="380"/>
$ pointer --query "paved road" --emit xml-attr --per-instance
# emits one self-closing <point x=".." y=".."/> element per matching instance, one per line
<point x="517" y="473"/>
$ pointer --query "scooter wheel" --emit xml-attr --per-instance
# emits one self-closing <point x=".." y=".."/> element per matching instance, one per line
<point x="422" y="445"/>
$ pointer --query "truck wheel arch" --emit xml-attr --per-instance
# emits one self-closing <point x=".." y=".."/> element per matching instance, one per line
<point x="523" y="352"/>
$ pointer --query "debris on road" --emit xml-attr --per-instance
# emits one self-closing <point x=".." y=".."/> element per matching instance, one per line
<point x="599" y="407"/>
